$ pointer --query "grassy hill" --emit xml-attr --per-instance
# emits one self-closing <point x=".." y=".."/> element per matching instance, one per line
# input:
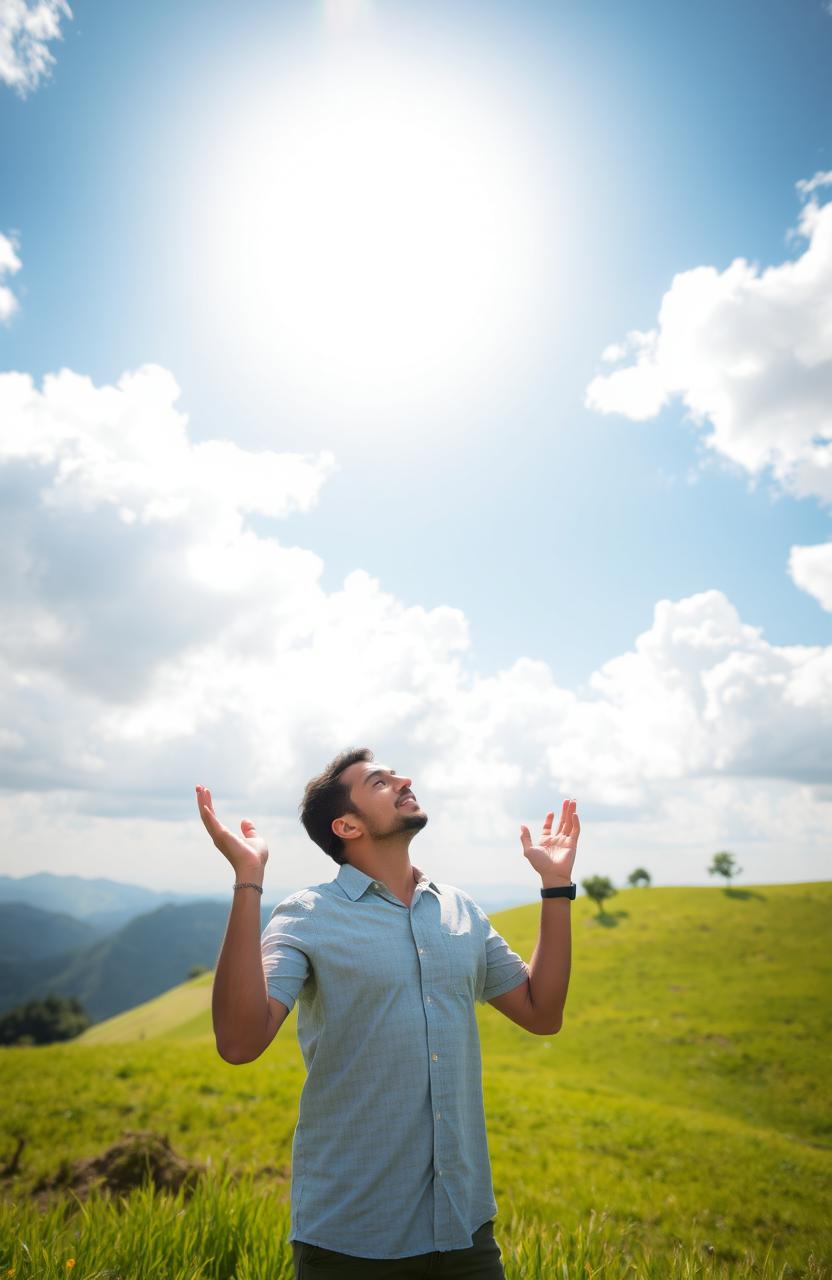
<point x="182" y="1013"/>
<point x="686" y="1100"/>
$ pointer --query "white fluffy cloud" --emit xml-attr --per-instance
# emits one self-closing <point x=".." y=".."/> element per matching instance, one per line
<point x="811" y="569"/>
<point x="26" y="29"/>
<point x="152" y="638"/>
<point x="749" y="353"/>
<point x="127" y="448"/>
<point x="700" y="694"/>
<point x="126" y="542"/>
<point x="9" y="264"/>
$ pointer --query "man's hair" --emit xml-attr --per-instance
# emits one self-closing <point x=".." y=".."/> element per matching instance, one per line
<point x="326" y="798"/>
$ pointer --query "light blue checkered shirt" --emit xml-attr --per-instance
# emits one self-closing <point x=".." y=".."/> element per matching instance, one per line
<point x="389" y="1157"/>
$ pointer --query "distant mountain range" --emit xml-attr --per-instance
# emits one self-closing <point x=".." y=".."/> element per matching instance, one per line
<point x="116" y="945"/>
<point x="110" y="944"/>
<point x="29" y="933"/>
<point x="105" y="904"/>
<point x="147" y="956"/>
<point x="108" y="904"/>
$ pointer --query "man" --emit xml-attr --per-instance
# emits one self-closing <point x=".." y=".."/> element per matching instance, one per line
<point x="390" y="1170"/>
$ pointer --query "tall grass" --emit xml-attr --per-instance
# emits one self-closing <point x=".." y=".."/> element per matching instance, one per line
<point x="231" y="1229"/>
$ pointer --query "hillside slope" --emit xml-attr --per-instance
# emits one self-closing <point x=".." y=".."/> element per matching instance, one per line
<point x="184" y="1012"/>
<point x="718" y="997"/>
<point x="686" y="1097"/>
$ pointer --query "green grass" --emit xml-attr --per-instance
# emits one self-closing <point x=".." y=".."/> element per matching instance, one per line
<point x="233" y="1228"/>
<point x="182" y="1012"/>
<point x="678" y="1125"/>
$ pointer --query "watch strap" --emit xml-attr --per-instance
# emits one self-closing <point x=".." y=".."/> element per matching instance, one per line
<point x="560" y="891"/>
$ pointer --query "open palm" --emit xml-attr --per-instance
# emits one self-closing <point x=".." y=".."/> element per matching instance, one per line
<point x="241" y="851"/>
<point x="553" y="857"/>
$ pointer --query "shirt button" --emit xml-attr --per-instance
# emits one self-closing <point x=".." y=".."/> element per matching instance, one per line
<point x="439" y="1171"/>
<point x="428" y="999"/>
<point x="421" y="951"/>
<point x="435" y="1057"/>
<point x="439" y="1115"/>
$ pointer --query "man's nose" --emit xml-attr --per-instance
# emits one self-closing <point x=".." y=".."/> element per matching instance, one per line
<point x="405" y="784"/>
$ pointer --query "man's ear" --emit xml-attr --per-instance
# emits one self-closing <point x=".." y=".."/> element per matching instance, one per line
<point x="345" y="829"/>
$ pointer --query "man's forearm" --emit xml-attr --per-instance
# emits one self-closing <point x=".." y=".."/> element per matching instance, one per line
<point x="240" y="1001"/>
<point x="552" y="961"/>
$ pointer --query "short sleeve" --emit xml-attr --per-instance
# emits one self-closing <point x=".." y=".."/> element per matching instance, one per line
<point x="504" y="968"/>
<point x="284" y="947"/>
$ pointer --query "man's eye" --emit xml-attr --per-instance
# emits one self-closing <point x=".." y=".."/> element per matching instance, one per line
<point x="379" y="782"/>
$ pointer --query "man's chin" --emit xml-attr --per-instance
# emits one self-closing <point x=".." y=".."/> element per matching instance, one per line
<point x="414" y="820"/>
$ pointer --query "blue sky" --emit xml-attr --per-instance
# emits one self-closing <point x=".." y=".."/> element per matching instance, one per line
<point x="616" y="148"/>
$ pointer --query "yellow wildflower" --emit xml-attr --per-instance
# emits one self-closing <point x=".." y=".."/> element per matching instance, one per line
<point x="70" y="1262"/>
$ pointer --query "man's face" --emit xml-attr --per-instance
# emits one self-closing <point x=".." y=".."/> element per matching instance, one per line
<point x="382" y="799"/>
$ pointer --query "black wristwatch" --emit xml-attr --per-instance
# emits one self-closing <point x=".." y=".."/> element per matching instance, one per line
<point x="560" y="891"/>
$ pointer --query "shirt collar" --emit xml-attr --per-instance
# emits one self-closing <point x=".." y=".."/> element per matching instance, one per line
<point x="355" y="882"/>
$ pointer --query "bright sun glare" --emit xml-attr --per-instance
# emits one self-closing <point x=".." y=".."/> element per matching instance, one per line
<point x="376" y="234"/>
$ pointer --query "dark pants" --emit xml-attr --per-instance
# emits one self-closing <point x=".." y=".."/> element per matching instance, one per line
<point x="480" y="1262"/>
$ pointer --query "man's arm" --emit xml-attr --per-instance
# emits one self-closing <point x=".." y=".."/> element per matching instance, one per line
<point x="246" y="1019"/>
<point x="538" y="1003"/>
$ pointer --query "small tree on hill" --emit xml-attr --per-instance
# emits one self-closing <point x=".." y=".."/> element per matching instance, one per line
<point x="598" y="888"/>
<point x="44" y="1021"/>
<point x="639" y="876"/>
<point x="195" y="970"/>
<point x="724" y="865"/>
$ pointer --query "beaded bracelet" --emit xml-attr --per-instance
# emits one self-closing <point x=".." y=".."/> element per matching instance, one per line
<point x="249" y="885"/>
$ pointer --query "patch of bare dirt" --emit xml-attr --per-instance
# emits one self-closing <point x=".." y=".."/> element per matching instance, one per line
<point x="139" y="1155"/>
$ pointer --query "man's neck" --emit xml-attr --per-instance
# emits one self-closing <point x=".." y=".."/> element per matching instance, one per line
<point x="392" y="866"/>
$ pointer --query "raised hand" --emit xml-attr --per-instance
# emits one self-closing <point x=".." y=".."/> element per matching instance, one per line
<point x="553" y="857"/>
<point x="245" y="853"/>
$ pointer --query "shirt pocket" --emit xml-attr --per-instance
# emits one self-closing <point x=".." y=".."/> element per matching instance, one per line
<point x="466" y="960"/>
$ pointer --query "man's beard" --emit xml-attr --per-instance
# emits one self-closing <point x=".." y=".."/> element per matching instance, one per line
<point x="408" y="820"/>
<point x="413" y="820"/>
